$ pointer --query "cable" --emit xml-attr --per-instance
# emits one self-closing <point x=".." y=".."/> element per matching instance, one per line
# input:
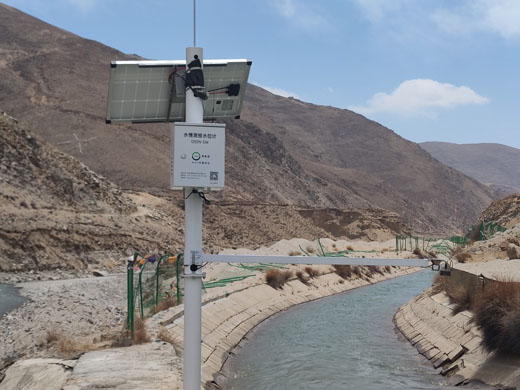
<point x="201" y="195"/>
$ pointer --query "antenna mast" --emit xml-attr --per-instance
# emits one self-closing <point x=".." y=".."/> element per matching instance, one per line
<point x="194" y="23"/>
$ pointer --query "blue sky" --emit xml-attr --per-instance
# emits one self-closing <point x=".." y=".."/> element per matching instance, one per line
<point x="431" y="70"/>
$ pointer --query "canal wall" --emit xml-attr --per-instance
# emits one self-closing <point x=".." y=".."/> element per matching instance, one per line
<point x="227" y="319"/>
<point x="452" y="343"/>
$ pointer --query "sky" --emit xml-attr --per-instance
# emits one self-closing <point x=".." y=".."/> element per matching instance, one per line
<point x="430" y="70"/>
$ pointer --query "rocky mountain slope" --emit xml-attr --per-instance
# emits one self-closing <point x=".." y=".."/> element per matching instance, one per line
<point x="55" y="213"/>
<point x="493" y="164"/>
<point x="282" y="152"/>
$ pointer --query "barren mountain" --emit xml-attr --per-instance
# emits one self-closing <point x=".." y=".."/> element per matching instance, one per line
<point x="282" y="152"/>
<point x="492" y="164"/>
<point x="56" y="213"/>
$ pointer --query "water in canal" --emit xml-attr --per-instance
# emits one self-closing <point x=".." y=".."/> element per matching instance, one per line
<point x="9" y="298"/>
<point x="347" y="341"/>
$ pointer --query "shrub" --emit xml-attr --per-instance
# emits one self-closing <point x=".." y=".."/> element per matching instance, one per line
<point x="312" y="272"/>
<point x="388" y="269"/>
<point x="166" y="304"/>
<point x="344" y="271"/>
<point x="140" y="334"/>
<point x="356" y="271"/>
<point x="497" y="315"/>
<point x="459" y="254"/>
<point x="276" y="278"/>
<point x="374" y="269"/>
<point x="350" y="248"/>
<point x="51" y="336"/>
<point x="310" y="249"/>
<point x="301" y="277"/>
<point x="295" y="253"/>
<point x="459" y="295"/>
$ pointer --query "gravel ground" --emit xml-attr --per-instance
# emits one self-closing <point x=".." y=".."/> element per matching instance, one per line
<point x="83" y="311"/>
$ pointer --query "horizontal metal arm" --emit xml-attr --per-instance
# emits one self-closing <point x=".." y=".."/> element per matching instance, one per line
<point x="314" y="260"/>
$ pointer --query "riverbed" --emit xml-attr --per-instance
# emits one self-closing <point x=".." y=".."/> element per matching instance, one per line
<point x="347" y="341"/>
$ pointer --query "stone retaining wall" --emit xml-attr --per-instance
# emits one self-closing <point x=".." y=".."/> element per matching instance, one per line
<point x="452" y="343"/>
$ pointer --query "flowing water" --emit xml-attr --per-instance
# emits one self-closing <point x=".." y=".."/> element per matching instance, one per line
<point x="9" y="298"/>
<point x="347" y="341"/>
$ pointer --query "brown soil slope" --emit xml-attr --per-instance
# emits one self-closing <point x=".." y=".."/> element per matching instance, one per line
<point x="505" y="212"/>
<point x="56" y="213"/>
<point x="282" y="152"/>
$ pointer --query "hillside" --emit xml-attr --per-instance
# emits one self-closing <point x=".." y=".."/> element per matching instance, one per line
<point x="282" y="151"/>
<point x="56" y="213"/>
<point x="493" y="164"/>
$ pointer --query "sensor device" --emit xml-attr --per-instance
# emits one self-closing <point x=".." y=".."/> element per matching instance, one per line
<point x="198" y="155"/>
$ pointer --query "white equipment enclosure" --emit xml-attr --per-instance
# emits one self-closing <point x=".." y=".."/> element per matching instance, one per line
<point x="198" y="155"/>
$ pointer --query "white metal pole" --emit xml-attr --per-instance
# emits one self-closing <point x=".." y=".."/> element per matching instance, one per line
<point x="192" y="245"/>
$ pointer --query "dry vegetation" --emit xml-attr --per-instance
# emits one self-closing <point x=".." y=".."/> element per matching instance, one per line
<point x="166" y="304"/>
<point x="460" y="254"/>
<point x="140" y="334"/>
<point x="295" y="253"/>
<point x="301" y="277"/>
<point x="276" y="278"/>
<point x="344" y="271"/>
<point x="495" y="308"/>
<point x="312" y="272"/>
<point x="67" y="346"/>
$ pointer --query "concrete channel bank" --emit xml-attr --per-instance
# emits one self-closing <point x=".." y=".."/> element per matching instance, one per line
<point x="228" y="319"/>
<point x="452" y="343"/>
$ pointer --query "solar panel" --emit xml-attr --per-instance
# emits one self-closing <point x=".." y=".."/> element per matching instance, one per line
<point x="153" y="91"/>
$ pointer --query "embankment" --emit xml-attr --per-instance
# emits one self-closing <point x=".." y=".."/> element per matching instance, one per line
<point x="227" y="319"/>
<point x="451" y="342"/>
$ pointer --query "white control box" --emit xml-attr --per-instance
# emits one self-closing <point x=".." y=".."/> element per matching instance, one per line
<point x="198" y="155"/>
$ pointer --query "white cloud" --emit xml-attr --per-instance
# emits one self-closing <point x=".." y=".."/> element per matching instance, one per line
<point x="278" y="91"/>
<point x="420" y="97"/>
<point x="375" y="10"/>
<point x="497" y="16"/>
<point x="299" y="14"/>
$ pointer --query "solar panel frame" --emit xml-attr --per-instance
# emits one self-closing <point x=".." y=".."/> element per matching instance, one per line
<point x="139" y="91"/>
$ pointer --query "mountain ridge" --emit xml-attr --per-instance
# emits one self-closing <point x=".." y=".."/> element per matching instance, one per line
<point x="282" y="151"/>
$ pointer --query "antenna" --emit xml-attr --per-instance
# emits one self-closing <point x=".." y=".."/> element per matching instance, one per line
<point x="194" y="23"/>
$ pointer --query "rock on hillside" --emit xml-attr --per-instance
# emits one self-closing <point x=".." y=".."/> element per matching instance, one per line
<point x="505" y="212"/>
<point x="283" y="152"/>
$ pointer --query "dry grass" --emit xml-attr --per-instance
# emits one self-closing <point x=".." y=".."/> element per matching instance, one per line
<point x="301" y="277"/>
<point x="166" y="304"/>
<point x="51" y="337"/>
<point x="459" y="295"/>
<point x="344" y="271"/>
<point x="350" y="248"/>
<point x="276" y="278"/>
<point x="388" y="269"/>
<point x="374" y="269"/>
<point x="295" y="253"/>
<point x="356" y="271"/>
<point x="497" y="315"/>
<point x="312" y="272"/>
<point x="140" y="334"/>
<point x="461" y="255"/>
